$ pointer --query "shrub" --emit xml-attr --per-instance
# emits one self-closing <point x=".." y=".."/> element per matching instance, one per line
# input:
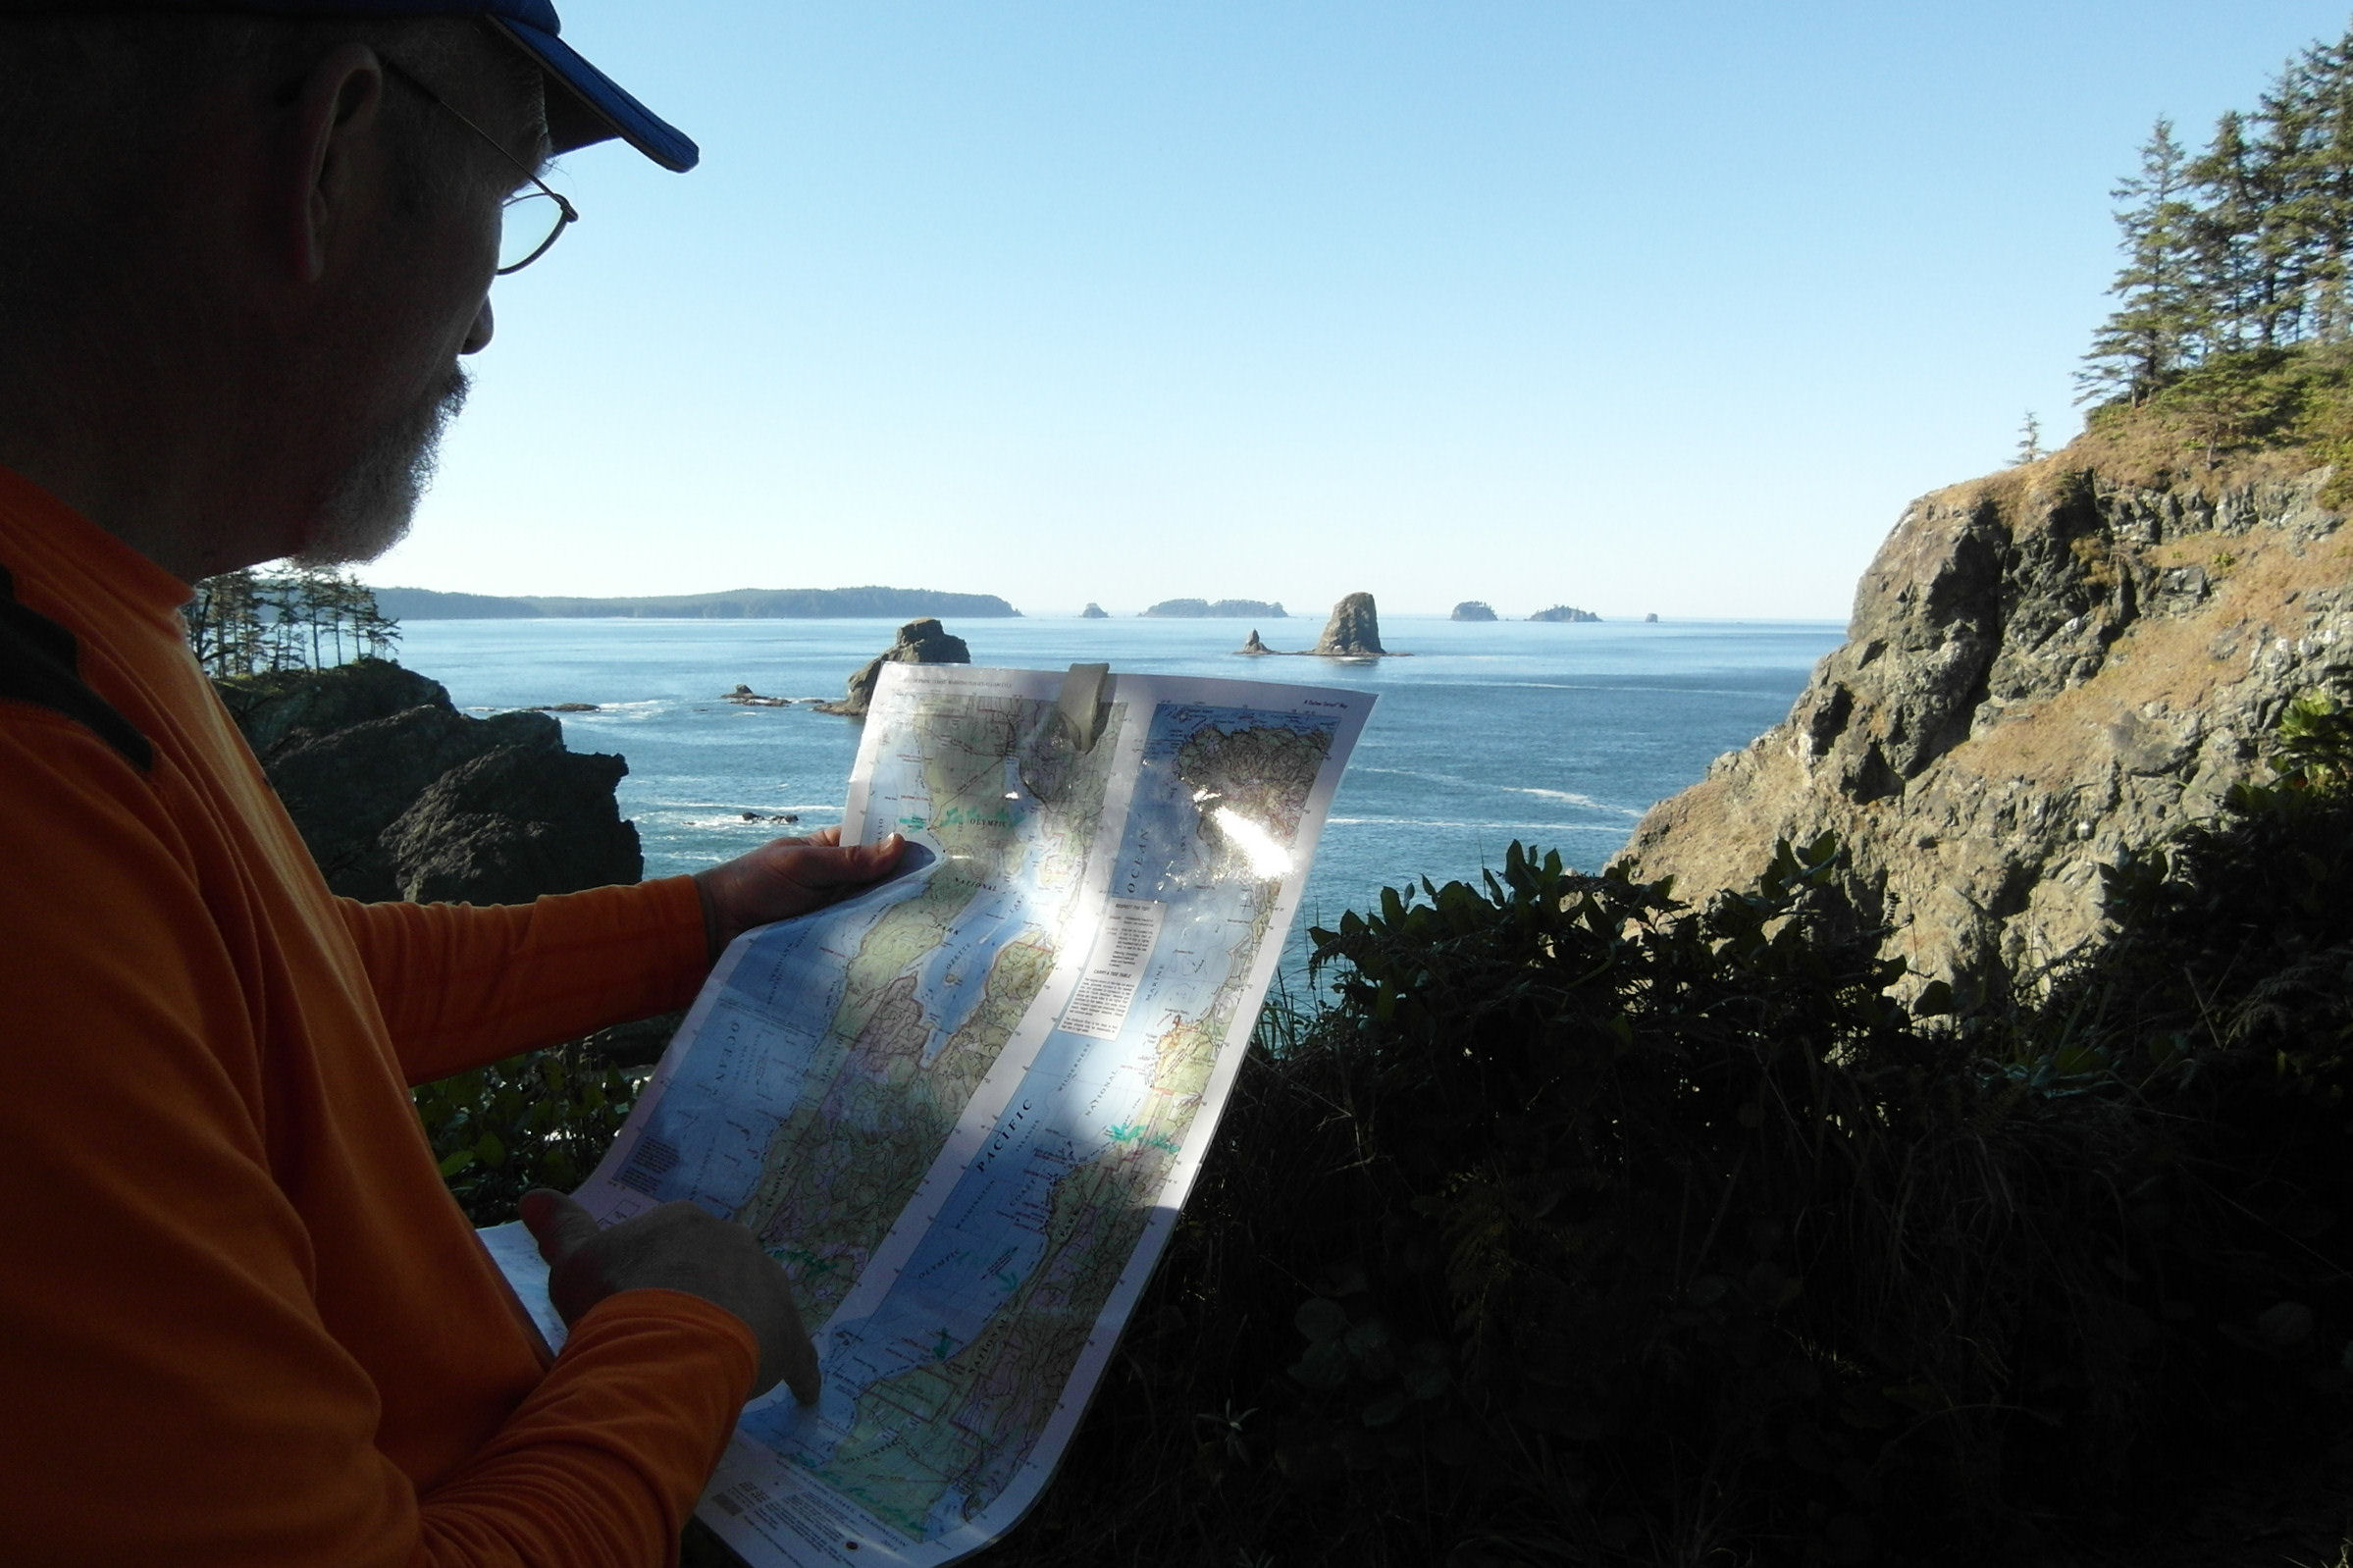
<point x="543" y="1118"/>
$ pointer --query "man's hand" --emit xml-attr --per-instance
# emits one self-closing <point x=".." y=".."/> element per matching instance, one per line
<point x="789" y="876"/>
<point x="675" y="1247"/>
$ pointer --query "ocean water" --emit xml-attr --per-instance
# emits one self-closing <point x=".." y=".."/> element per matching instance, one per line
<point x="1560" y="736"/>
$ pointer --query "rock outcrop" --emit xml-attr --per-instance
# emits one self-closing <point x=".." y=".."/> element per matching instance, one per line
<point x="398" y="795"/>
<point x="511" y="824"/>
<point x="1093" y="612"/>
<point x="1252" y="645"/>
<point x="1564" y="612"/>
<point x="923" y="642"/>
<point x="2045" y="669"/>
<point x="1353" y="632"/>
<point x="1473" y="609"/>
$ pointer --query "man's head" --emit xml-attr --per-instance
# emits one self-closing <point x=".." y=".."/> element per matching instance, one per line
<point x="246" y="255"/>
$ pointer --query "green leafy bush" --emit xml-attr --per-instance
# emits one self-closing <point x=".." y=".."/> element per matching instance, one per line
<point x="543" y="1118"/>
<point x="1585" y="1226"/>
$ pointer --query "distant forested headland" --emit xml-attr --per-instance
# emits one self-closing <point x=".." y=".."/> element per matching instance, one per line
<point x="735" y="603"/>
<point x="1219" y="610"/>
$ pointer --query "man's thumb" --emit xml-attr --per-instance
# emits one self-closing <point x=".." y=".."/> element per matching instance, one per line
<point x="854" y="863"/>
<point x="559" y="1225"/>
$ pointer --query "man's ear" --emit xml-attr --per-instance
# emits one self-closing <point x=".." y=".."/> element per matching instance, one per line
<point x="336" y="163"/>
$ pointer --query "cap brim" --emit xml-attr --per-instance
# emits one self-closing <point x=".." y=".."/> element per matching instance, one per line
<point x="594" y="108"/>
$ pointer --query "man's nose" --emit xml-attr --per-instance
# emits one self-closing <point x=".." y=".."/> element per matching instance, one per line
<point x="480" y="338"/>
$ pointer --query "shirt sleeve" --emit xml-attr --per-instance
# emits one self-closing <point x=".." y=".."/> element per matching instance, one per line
<point x="461" y="984"/>
<point x="174" y="1392"/>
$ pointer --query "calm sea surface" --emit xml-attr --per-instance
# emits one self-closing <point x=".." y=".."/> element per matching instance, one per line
<point x="1557" y="735"/>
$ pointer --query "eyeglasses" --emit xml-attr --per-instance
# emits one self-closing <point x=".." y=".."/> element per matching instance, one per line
<point x="532" y="220"/>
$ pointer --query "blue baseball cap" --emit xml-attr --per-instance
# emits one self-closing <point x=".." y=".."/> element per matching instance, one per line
<point x="584" y="104"/>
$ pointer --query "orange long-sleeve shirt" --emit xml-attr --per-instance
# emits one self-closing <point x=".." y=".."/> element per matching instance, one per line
<point x="242" y="1322"/>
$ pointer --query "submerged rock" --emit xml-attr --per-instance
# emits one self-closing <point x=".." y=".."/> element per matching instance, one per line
<point x="1473" y="609"/>
<point x="1353" y="632"/>
<point x="923" y="642"/>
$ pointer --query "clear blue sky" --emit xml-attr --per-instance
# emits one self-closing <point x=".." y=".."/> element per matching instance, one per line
<point x="1665" y="307"/>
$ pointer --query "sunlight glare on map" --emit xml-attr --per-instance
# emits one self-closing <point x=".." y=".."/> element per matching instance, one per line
<point x="1266" y="856"/>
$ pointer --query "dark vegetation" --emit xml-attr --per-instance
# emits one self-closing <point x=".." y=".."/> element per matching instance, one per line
<point x="1585" y="1227"/>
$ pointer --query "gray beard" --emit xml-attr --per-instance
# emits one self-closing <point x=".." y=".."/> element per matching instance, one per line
<point x="371" y="510"/>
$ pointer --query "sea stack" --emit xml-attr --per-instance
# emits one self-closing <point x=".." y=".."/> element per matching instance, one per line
<point x="1353" y="632"/>
<point x="1253" y="646"/>
<point x="1564" y="612"/>
<point x="1473" y="610"/>
<point x="923" y="642"/>
<point x="1093" y="612"/>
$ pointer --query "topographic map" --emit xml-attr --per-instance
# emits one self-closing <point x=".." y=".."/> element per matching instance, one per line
<point x="964" y="1108"/>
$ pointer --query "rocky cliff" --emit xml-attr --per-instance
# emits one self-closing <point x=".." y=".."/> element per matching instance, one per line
<point x="2045" y="669"/>
<point x="399" y="795"/>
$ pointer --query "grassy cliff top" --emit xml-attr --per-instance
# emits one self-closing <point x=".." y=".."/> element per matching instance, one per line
<point x="2235" y="416"/>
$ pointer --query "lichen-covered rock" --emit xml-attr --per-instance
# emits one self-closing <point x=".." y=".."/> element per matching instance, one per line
<point x="923" y="642"/>
<point x="1353" y="632"/>
<point x="514" y="823"/>
<point x="2045" y="669"/>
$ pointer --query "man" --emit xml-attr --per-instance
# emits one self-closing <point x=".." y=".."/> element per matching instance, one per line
<point x="242" y="1322"/>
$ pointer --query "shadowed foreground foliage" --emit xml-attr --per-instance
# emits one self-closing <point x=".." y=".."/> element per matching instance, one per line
<point x="1582" y="1227"/>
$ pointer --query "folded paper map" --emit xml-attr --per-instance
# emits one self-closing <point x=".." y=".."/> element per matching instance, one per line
<point x="964" y="1108"/>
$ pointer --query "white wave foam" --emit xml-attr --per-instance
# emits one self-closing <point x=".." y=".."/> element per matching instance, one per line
<point x="1570" y="798"/>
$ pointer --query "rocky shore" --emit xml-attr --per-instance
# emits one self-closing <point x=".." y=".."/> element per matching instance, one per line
<point x="399" y="795"/>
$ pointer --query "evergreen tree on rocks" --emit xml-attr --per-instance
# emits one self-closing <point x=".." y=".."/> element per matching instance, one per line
<point x="2149" y="337"/>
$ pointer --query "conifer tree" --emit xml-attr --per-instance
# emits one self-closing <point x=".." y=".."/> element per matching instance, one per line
<point x="246" y="622"/>
<point x="2031" y="441"/>
<point x="2226" y="271"/>
<point x="2286" y="229"/>
<point x="2153" y="333"/>
<point x="2322" y="183"/>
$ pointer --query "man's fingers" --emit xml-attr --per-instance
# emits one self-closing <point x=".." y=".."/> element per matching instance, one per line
<point x="559" y="1225"/>
<point x="800" y="1370"/>
<point x="836" y="866"/>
